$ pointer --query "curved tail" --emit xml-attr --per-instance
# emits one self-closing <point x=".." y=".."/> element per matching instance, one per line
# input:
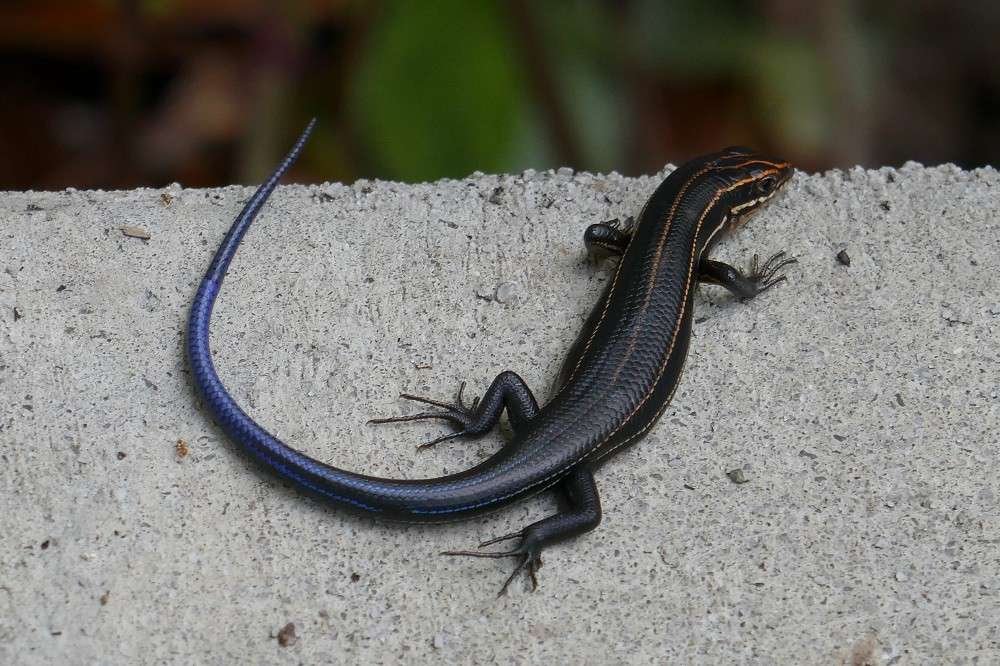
<point x="224" y="255"/>
<point x="237" y="423"/>
<point x="429" y="500"/>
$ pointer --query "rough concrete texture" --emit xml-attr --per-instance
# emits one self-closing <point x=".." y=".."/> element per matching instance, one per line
<point x="861" y="404"/>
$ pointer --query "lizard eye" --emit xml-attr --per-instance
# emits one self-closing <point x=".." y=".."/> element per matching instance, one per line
<point x="766" y="185"/>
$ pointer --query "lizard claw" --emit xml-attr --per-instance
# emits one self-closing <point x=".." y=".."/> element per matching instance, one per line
<point x="457" y="413"/>
<point x="767" y="275"/>
<point x="530" y="555"/>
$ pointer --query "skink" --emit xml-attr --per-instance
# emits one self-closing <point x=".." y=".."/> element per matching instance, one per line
<point x="616" y="381"/>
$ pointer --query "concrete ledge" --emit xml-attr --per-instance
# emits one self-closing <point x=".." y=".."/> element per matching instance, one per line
<point x="860" y="402"/>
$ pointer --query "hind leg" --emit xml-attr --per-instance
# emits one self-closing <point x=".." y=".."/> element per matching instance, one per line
<point x="508" y="391"/>
<point x="583" y="515"/>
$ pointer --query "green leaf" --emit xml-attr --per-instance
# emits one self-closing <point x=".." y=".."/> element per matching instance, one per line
<point x="438" y="92"/>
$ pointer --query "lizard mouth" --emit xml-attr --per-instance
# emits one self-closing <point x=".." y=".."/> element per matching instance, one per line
<point x="746" y="209"/>
<point x="740" y="213"/>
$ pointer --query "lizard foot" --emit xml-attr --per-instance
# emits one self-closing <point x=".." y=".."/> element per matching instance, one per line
<point x="459" y="414"/>
<point x="767" y="275"/>
<point x="529" y="551"/>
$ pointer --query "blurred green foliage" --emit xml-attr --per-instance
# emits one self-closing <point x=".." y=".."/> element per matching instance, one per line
<point x="444" y="88"/>
<point x="153" y="91"/>
<point x="439" y="91"/>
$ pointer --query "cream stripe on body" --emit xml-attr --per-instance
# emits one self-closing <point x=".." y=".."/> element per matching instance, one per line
<point x="673" y="339"/>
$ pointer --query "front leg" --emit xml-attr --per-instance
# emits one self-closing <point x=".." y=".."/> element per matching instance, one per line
<point x="608" y="238"/>
<point x="583" y="515"/>
<point x="508" y="391"/>
<point x="759" y="279"/>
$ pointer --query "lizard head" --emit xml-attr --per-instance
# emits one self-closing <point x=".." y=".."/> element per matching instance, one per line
<point x="749" y="181"/>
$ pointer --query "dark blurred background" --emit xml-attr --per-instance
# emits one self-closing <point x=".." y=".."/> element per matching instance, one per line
<point x="111" y="94"/>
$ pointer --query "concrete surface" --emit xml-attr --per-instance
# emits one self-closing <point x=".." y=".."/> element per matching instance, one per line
<point x="860" y="402"/>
